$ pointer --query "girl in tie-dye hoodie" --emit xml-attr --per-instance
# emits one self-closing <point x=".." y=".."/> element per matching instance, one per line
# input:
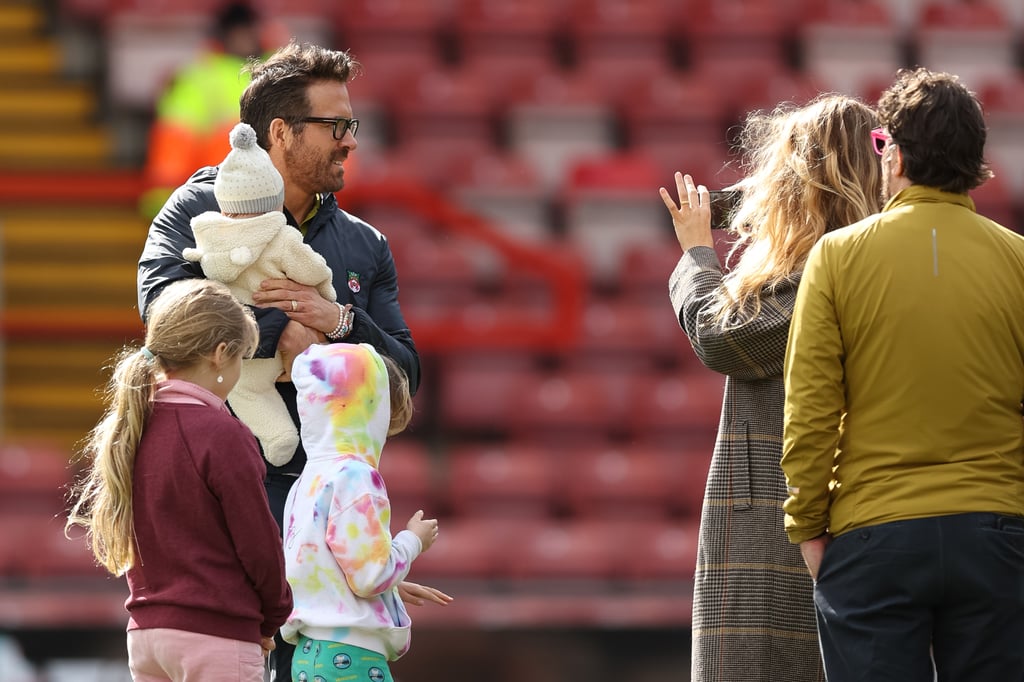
<point x="342" y="563"/>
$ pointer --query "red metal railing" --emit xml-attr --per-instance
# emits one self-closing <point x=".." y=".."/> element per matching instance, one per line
<point x="447" y="330"/>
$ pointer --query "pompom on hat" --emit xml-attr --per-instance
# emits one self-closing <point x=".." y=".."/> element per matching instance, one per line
<point x="247" y="181"/>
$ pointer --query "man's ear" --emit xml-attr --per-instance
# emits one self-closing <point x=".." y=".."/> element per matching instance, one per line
<point x="277" y="132"/>
<point x="897" y="161"/>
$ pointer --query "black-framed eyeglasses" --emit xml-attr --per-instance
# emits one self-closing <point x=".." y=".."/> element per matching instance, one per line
<point x="340" y="126"/>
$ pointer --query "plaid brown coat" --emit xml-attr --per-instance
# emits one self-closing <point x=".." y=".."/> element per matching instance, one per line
<point x="753" y="612"/>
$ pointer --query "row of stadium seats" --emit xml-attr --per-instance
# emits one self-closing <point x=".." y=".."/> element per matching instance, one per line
<point x="849" y="46"/>
<point x="509" y="511"/>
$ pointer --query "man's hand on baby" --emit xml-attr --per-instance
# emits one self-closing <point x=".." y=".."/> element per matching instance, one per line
<point x="294" y="339"/>
<point x="425" y="529"/>
<point x="300" y="302"/>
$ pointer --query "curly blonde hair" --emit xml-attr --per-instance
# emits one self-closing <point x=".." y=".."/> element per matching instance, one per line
<point x="808" y="170"/>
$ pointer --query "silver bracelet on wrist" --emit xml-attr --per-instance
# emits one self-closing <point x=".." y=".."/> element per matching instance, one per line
<point x="345" y="318"/>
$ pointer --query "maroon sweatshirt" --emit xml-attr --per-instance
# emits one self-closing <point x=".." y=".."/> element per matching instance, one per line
<point x="209" y="556"/>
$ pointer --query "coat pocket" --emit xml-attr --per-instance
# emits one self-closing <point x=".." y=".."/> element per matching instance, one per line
<point x="740" y="474"/>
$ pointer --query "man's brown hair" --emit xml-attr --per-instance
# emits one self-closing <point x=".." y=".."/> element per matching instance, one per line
<point x="939" y="127"/>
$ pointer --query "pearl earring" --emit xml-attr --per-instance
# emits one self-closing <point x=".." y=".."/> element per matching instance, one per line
<point x="220" y="379"/>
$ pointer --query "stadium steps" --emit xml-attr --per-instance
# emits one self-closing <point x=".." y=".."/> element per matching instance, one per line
<point x="46" y="119"/>
<point x="67" y="267"/>
<point x="64" y="268"/>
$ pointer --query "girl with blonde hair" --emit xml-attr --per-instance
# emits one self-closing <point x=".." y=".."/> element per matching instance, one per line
<point x="172" y="496"/>
<point x="809" y="170"/>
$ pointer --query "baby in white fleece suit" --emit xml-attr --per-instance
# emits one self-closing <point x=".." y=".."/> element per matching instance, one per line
<point x="247" y="242"/>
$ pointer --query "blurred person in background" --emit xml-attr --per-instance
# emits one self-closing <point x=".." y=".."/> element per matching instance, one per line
<point x="299" y="106"/>
<point x="197" y="110"/>
<point x="904" y="444"/>
<point x="811" y="170"/>
<point x="172" y="496"/>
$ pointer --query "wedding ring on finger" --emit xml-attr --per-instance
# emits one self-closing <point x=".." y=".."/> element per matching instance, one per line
<point x="295" y="306"/>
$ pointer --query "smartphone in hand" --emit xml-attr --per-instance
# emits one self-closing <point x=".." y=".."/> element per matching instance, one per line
<point x="723" y="204"/>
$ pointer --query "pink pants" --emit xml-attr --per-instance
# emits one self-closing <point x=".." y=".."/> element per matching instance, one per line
<point x="162" y="655"/>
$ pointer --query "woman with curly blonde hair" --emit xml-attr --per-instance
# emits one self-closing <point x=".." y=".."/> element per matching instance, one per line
<point x="809" y="170"/>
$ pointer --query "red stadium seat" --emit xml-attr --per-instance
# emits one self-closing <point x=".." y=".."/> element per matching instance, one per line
<point x="647" y="267"/>
<point x="847" y="46"/>
<point x="508" y="190"/>
<point x="666" y="107"/>
<point x="559" y="119"/>
<point x="434" y="272"/>
<point x="145" y="50"/>
<point x="610" y="202"/>
<point x="480" y="396"/>
<point x="395" y="25"/>
<point x="623" y="71"/>
<point x="470" y="548"/>
<point x="687" y="470"/>
<point x="33" y="477"/>
<point x="408" y="473"/>
<point x="678" y="402"/>
<point x="385" y="69"/>
<point x="994" y="200"/>
<point x="734" y="38"/>
<point x="590" y="401"/>
<point x="574" y="550"/>
<point x="1013" y="10"/>
<point x="764" y="86"/>
<point x="34" y="546"/>
<point x="1004" y="110"/>
<point x="973" y="40"/>
<point x="629" y="482"/>
<point x="661" y="550"/>
<point x="495" y="34"/>
<point x="511" y="480"/>
<point x="445" y="106"/>
<point x="634" y="331"/>
<point x="708" y="160"/>
<point x="620" y="38"/>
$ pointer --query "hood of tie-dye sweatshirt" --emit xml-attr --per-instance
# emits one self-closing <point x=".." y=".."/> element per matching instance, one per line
<point x="344" y="402"/>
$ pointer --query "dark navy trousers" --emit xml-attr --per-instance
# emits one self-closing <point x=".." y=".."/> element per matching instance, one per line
<point x="280" y="659"/>
<point x="938" y="598"/>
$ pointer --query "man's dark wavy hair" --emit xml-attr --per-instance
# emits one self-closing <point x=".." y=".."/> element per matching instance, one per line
<point x="279" y="85"/>
<point x="939" y="126"/>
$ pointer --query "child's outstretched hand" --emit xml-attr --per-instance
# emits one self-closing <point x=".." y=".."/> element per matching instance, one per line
<point x="418" y="595"/>
<point x="425" y="529"/>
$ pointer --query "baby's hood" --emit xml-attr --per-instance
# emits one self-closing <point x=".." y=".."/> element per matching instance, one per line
<point x="344" y="401"/>
<point x="225" y="247"/>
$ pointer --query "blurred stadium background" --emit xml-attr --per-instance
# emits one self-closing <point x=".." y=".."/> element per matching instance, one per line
<point x="512" y="152"/>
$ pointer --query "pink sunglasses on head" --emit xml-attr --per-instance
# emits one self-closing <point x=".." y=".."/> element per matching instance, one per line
<point x="880" y="139"/>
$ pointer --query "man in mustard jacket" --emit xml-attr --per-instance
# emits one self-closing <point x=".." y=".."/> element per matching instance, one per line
<point x="904" y="442"/>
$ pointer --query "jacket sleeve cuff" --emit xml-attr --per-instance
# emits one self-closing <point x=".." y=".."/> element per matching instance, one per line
<point x="798" y="535"/>
<point x="271" y="322"/>
<point x="410" y="541"/>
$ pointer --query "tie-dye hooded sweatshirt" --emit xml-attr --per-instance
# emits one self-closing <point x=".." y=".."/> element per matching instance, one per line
<point x="341" y="561"/>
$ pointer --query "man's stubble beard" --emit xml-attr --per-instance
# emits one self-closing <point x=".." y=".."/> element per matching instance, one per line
<point x="314" y="171"/>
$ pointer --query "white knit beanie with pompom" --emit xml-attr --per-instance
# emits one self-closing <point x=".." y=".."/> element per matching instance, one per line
<point x="247" y="181"/>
